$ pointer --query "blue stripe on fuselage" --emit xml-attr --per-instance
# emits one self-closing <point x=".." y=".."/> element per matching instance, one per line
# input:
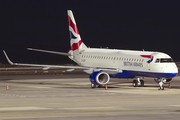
<point x="132" y="74"/>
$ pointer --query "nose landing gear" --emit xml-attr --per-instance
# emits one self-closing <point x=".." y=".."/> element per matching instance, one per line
<point x="162" y="81"/>
<point x="161" y="86"/>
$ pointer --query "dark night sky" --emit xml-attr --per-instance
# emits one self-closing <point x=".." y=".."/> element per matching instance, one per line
<point x="120" y="24"/>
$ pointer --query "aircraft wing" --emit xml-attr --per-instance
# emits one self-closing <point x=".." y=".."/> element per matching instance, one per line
<point x="39" y="65"/>
<point x="88" y="70"/>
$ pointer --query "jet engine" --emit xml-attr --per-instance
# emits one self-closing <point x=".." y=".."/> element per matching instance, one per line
<point x="99" y="78"/>
<point x="164" y="80"/>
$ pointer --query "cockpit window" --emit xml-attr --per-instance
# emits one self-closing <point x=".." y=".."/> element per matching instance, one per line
<point x="157" y="61"/>
<point x="166" y="60"/>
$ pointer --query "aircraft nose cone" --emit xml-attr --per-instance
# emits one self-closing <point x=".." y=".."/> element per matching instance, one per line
<point x="172" y="70"/>
<point x="175" y="71"/>
<point x="171" y="74"/>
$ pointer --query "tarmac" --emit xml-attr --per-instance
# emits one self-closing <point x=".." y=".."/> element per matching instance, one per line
<point x="68" y="96"/>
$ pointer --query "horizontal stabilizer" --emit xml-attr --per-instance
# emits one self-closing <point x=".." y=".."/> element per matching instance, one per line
<point x="53" y="52"/>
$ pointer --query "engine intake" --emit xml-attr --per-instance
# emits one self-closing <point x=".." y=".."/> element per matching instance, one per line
<point x="99" y="78"/>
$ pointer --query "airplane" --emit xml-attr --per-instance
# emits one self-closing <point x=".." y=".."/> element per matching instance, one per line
<point x="103" y="64"/>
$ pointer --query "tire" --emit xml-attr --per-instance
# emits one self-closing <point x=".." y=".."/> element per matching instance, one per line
<point x="162" y="88"/>
<point x="135" y="83"/>
<point x="142" y="83"/>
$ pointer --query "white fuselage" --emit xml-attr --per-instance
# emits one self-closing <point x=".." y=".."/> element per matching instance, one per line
<point x="128" y="60"/>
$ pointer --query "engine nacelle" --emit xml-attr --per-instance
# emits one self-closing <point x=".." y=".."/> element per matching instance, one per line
<point x="99" y="78"/>
<point x="164" y="80"/>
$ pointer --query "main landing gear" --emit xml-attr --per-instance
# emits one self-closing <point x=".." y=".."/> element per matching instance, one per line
<point x="94" y="86"/>
<point x="138" y="82"/>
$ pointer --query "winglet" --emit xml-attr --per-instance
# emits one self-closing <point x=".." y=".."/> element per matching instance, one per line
<point x="8" y="58"/>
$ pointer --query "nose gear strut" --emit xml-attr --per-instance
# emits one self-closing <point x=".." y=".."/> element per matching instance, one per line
<point x="162" y="81"/>
<point x="161" y="85"/>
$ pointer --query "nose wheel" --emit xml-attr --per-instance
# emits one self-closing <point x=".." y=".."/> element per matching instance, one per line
<point x="161" y="88"/>
<point x="161" y="85"/>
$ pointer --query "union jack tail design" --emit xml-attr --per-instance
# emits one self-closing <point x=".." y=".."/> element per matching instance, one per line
<point x="75" y="39"/>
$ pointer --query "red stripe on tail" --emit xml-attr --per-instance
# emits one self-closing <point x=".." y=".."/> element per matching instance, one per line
<point x="75" y="46"/>
<point x="73" y="25"/>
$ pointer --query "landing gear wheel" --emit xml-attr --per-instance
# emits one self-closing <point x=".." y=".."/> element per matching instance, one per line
<point x="135" y="83"/>
<point x="93" y="85"/>
<point x="161" y="88"/>
<point x="142" y="83"/>
<point x="161" y="85"/>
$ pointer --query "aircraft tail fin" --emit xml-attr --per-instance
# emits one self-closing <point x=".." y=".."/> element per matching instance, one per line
<point x="75" y="39"/>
